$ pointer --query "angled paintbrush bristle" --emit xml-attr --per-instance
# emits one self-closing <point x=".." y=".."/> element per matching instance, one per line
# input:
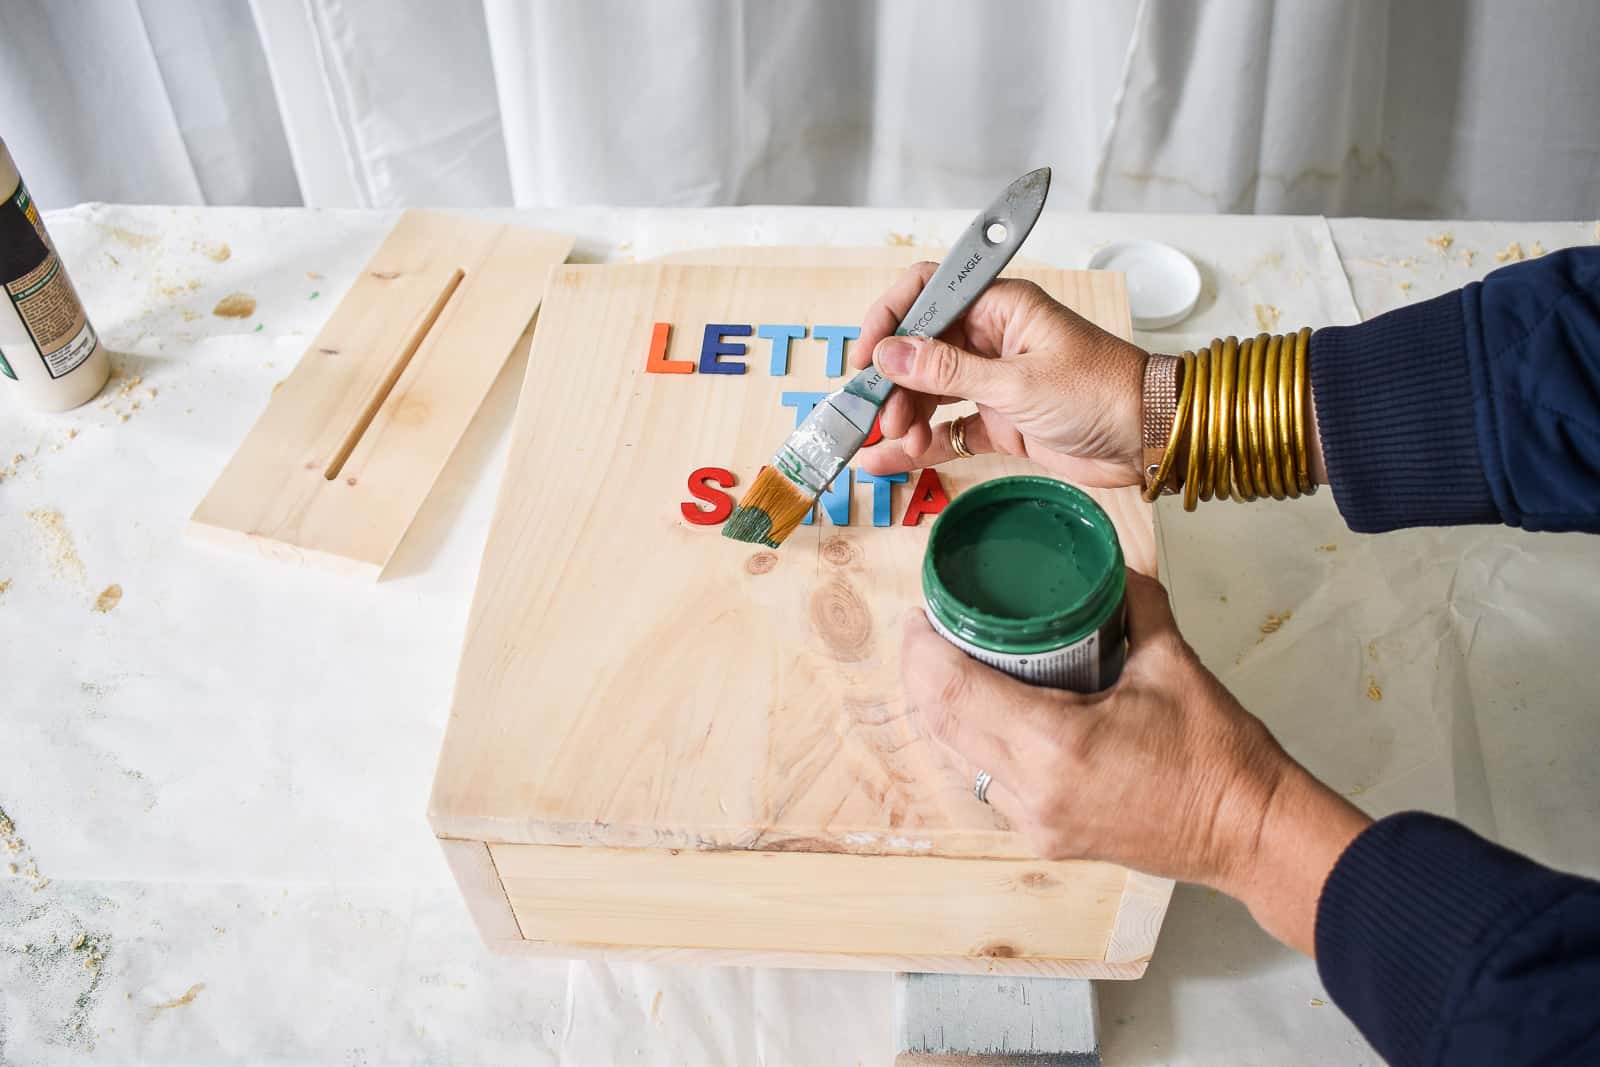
<point x="770" y="511"/>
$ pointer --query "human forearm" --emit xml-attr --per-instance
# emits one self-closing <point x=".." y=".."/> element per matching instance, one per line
<point x="1395" y="420"/>
<point x="1279" y="870"/>
<point x="1479" y="406"/>
<point x="1445" y="948"/>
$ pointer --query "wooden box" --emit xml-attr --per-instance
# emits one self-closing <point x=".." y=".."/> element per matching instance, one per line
<point x="669" y="746"/>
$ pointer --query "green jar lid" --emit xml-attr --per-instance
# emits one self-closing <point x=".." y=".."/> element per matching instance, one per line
<point x="1023" y="565"/>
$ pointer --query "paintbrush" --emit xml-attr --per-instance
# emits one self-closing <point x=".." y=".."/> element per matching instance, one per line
<point x="834" y="431"/>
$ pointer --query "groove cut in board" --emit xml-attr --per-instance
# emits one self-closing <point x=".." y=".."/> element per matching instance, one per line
<point x="381" y="392"/>
<point x="675" y="747"/>
<point x="337" y="466"/>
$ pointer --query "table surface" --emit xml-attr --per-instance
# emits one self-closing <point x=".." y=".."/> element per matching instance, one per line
<point x="217" y="785"/>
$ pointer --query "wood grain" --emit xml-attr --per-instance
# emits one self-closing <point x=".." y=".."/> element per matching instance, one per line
<point x="1138" y="922"/>
<point x="814" y="902"/>
<point x="734" y="697"/>
<point x="825" y="256"/>
<point x="482" y="889"/>
<point x="829" y="961"/>
<point x="635" y="685"/>
<point x="334" y="470"/>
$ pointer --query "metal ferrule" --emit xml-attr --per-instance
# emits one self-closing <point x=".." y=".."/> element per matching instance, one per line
<point x="837" y="427"/>
<point x="825" y="441"/>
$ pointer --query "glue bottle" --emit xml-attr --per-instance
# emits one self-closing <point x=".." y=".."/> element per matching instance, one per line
<point x="49" y="353"/>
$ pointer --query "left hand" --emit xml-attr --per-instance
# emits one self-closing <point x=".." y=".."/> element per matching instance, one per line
<point x="1164" y="772"/>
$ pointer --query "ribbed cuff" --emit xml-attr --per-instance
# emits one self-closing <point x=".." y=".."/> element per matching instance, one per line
<point x="1405" y="915"/>
<point x="1395" y="412"/>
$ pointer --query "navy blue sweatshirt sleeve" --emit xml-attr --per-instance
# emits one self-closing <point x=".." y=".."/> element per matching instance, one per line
<point x="1446" y="949"/>
<point x="1479" y="406"/>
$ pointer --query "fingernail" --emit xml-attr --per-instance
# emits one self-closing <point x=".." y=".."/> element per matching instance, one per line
<point x="894" y="355"/>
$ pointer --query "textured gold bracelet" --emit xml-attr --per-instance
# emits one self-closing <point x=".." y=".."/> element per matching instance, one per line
<point x="1180" y="418"/>
<point x="1160" y="408"/>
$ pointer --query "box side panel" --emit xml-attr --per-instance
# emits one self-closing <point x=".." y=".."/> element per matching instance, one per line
<point x="1000" y="966"/>
<point x="1139" y="917"/>
<point x="475" y="874"/>
<point x="818" y="904"/>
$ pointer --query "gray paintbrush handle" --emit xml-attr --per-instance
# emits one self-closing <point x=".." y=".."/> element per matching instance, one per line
<point x="975" y="260"/>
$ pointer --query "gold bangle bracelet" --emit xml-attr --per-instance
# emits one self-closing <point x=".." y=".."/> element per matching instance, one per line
<point x="1179" y="418"/>
<point x="1222" y="474"/>
<point x="1302" y="409"/>
<point x="1269" y="417"/>
<point x="1202" y="394"/>
<point x="1258" y="451"/>
<point x="1207" y="410"/>
<point x="1244" y="414"/>
<point x="1208" y="463"/>
<point x="1291" y="483"/>
<point x="1244" y="486"/>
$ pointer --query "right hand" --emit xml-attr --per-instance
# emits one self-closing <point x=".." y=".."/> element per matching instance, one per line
<point x="1049" y="385"/>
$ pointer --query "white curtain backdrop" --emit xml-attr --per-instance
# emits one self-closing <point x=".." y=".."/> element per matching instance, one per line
<point x="1475" y="108"/>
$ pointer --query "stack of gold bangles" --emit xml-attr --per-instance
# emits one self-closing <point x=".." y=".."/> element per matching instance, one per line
<point x="1243" y="410"/>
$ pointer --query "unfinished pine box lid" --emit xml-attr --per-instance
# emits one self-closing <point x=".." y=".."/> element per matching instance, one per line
<point x="668" y="746"/>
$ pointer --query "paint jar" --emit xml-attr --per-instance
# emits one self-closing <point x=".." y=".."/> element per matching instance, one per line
<point x="1026" y="575"/>
<point x="48" y="350"/>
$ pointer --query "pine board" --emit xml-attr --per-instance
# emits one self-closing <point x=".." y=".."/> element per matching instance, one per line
<point x="349" y="445"/>
<point x="746" y="900"/>
<point x="635" y="684"/>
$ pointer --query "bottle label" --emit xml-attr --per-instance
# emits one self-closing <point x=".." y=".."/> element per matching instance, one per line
<point x="31" y="275"/>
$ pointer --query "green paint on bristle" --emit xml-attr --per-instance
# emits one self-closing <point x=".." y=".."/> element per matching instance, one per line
<point x="751" y="525"/>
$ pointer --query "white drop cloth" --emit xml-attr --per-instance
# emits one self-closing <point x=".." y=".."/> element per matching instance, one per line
<point x="224" y="777"/>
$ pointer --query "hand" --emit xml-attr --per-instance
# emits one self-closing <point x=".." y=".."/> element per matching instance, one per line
<point x="1164" y="772"/>
<point x="1049" y="384"/>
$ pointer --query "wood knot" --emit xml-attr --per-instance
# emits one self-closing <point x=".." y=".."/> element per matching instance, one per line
<point x="998" y="949"/>
<point x="838" y="551"/>
<point x="385" y="275"/>
<point x="329" y="351"/>
<point x="761" y="562"/>
<point x="842" y="620"/>
<point x="350" y="481"/>
<point x="412" y="411"/>
<point x="1035" y="880"/>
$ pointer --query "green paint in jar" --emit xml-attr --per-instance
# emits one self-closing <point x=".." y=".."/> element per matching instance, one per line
<point x="1026" y="574"/>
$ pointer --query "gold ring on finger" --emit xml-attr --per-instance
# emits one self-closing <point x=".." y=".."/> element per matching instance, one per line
<point x="958" y="438"/>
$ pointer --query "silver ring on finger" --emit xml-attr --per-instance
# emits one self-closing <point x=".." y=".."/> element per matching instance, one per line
<point x="980" y="787"/>
<point x="958" y="438"/>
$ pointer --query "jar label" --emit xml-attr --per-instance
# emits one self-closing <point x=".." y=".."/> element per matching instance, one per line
<point x="1075" y="666"/>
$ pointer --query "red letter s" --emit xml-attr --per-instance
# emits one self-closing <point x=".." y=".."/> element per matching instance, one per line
<point x="700" y="483"/>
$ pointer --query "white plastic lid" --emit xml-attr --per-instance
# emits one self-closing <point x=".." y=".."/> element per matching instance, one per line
<point x="1163" y="283"/>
